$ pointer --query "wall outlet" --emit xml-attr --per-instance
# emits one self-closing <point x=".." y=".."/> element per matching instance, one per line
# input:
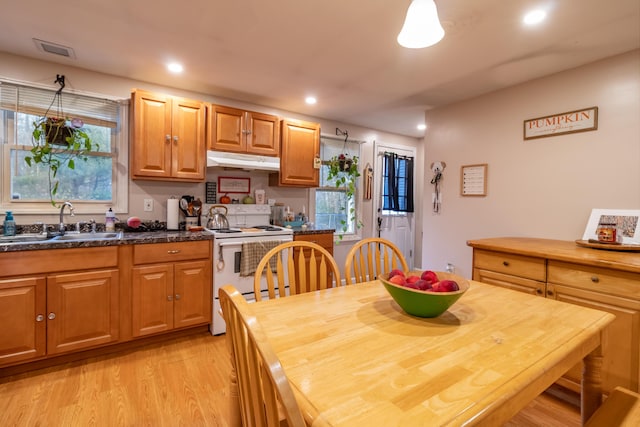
<point x="148" y="205"/>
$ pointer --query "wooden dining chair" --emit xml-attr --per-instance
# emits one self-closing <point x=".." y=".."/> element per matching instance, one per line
<point x="294" y="268"/>
<point x="265" y="394"/>
<point x="371" y="257"/>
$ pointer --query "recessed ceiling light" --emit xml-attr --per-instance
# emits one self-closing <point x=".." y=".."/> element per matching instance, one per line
<point x="421" y="126"/>
<point x="174" y="67"/>
<point x="310" y="100"/>
<point x="534" y="17"/>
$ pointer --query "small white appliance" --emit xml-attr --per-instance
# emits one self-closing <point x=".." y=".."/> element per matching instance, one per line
<point x="247" y="223"/>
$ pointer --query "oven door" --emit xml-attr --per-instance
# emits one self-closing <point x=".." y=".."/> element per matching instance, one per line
<point x="227" y="255"/>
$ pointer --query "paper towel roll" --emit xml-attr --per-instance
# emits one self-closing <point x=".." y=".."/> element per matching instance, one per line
<point x="173" y="214"/>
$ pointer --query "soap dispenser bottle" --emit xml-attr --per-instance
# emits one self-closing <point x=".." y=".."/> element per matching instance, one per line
<point x="110" y="221"/>
<point x="9" y="225"/>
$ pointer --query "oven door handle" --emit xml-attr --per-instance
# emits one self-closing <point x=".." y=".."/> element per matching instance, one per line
<point x="239" y="243"/>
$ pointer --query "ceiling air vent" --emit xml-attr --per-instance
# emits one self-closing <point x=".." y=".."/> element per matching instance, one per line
<point x="56" y="49"/>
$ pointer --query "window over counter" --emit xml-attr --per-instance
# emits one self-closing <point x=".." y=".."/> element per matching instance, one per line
<point x="98" y="182"/>
<point x="333" y="209"/>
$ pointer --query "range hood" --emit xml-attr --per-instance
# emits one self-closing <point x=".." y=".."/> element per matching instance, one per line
<point x="242" y="161"/>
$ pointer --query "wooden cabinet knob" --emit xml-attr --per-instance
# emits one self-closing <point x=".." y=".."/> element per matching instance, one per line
<point x="39" y="318"/>
<point x="595" y="279"/>
<point x="51" y="316"/>
<point x="505" y="263"/>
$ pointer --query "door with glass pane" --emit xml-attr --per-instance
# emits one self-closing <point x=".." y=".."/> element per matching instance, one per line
<point x="398" y="226"/>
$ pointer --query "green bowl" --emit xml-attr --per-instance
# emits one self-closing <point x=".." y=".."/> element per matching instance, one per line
<point x="424" y="303"/>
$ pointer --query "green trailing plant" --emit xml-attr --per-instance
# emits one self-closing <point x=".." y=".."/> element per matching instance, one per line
<point x="58" y="141"/>
<point x="343" y="171"/>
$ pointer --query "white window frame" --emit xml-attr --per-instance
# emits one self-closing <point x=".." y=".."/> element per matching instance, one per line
<point x="120" y="176"/>
<point x="346" y="236"/>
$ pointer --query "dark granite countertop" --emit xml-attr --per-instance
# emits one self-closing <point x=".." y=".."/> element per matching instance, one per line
<point x="299" y="231"/>
<point x="127" y="239"/>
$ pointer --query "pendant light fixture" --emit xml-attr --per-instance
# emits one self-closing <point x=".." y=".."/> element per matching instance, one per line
<point x="421" y="26"/>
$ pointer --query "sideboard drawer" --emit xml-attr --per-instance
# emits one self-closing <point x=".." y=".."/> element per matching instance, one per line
<point x="515" y="265"/>
<point x="614" y="282"/>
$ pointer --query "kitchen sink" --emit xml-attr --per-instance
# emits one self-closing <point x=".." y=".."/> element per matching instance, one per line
<point x="88" y="236"/>
<point x="25" y="238"/>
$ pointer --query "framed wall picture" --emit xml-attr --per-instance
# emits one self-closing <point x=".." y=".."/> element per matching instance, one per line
<point x="626" y="220"/>
<point x="228" y="184"/>
<point x="558" y="124"/>
<point x="473" y="180"/>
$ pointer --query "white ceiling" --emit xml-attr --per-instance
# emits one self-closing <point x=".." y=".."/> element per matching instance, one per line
<point x="275" y="52"/>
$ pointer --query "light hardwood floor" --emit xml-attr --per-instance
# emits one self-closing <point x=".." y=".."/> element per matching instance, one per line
<point x="180" y="382"/>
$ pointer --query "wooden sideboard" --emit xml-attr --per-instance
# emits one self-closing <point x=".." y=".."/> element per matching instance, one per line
<point x="602" y="279"/>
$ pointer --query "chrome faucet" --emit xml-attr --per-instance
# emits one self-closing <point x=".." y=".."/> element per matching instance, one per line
<point x="61" y="227"/>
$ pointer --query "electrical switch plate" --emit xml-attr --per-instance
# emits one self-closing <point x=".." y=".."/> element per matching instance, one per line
<point x="148" y="205"/>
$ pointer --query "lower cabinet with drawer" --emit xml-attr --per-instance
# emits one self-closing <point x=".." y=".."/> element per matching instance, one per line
<point x="171" y="286"/>
<point x="603" y="280"/>
<point x="607" y="290"/>
<point x="49" y="306"/>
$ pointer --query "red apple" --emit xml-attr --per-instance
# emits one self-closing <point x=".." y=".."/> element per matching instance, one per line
<point x="398" y="280"/>
<point x="445" y="286"/>
<point x="429" y="276"/>
<point x="423" y="285"/>
<point x="396" y="272"/>
<point x="412" y="285"/>
<point x="413" y="279"/>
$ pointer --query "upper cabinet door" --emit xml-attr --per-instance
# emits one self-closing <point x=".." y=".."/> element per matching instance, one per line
<point x="188" y="151"/>
<point x="226" y="129"/>
<point x="239" y="131"/>
<point x="263" y="134"/>
<point x="151" y="145"/>
<point x="299" y="154"/>
<point x="168" y="138"/>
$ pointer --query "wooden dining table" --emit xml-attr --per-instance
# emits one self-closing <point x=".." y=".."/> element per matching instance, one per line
<point x="354" y="358"/>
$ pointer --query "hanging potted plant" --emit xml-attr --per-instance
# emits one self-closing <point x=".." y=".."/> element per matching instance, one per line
<point x="58" y="141"/>
<point x="343" y="171"/>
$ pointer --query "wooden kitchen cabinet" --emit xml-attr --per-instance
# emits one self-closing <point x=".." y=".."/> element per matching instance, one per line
<point x="603" y="280"/>
<point x="171" y="286"/>
<point x="321" y="239"/>
<point x="49" y="306"/>
<point x="299" y="155"/>
<point x="239" y="131"/>
<point x="168" y="138"/>
<point x="22" y="310"/>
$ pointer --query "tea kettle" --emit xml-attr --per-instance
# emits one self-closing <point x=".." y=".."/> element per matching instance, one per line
<point x="217" y="220"/>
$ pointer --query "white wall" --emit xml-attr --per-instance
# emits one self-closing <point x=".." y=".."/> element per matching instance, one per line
<point x="537" y="188"/>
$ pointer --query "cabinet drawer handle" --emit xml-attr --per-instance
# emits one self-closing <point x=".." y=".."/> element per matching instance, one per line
<point x="539" y="291"/>
<point x="169" y="297"/>
<point x="51" y="316"/>
<point x="39" y="318"/>
<point x="549" y="293"/>
<point x="505" y="263"/>
<point x="173" y="251"/>
<point x="175" y="138"/>
<point x="167" y="137"/>
<point x="595" y="279"/>
<point x="177" y="297"/>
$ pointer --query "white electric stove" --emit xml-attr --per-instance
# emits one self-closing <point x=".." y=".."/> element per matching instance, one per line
<point x="247" y="223"/>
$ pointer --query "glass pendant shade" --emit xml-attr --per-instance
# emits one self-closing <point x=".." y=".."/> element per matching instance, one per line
<point x="421" y="26"/>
